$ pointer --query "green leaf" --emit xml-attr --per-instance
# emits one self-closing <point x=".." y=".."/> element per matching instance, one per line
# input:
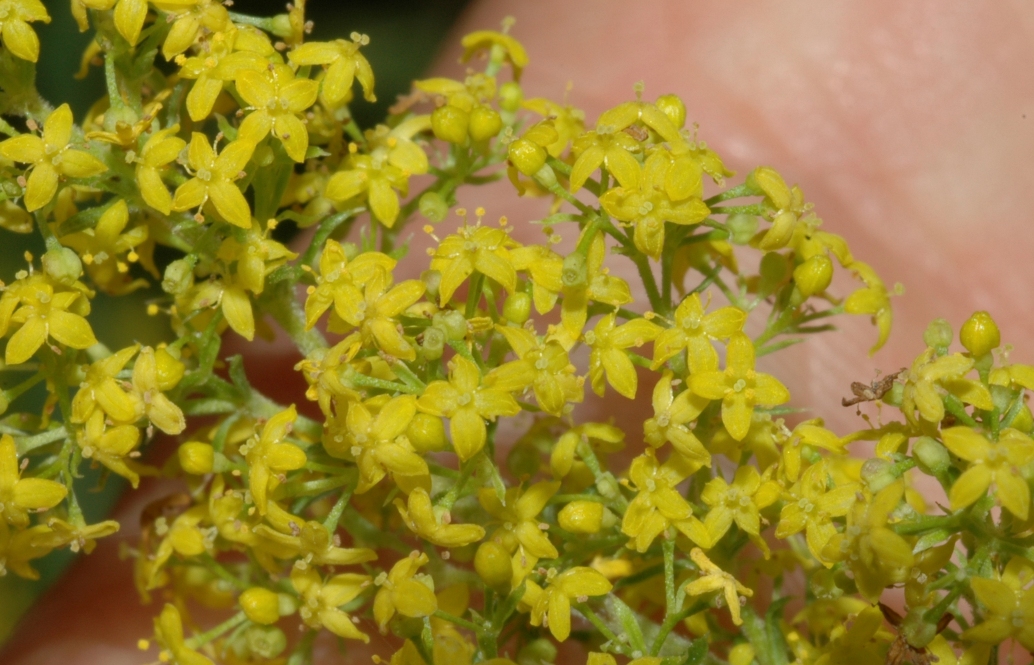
<point x="697" y="652"/>
<point x="270" y="183"/>
<point x="486" y="470"/>
<point x="629" y="622"/>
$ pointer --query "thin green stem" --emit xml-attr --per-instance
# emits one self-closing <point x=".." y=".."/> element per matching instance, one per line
<point x="209" y="635"/>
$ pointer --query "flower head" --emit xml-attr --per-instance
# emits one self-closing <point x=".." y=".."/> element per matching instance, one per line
<point x="991" y="462"/>
<point x="405" y="591"/>
<point x="268" y="454"/>
<point x="18" y="36"/>
<point x="19" y="495"/>
<point x="214" y="178"/>
<point x="344" y="65"/>
<point x="277" y="98"/>
<point x="713" y="578"/>
<point x="552" y="608"/>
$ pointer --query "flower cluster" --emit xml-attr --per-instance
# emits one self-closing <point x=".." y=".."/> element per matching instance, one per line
<point x="443" y="479"/>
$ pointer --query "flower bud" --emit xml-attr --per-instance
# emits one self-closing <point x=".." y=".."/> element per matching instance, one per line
<point x="433" y="206"/>
<point x="581" y="517"/>
<point x="526" y="156"/>
<point x="449" y="123"/>
<point x="280" y="25"/>
<point x="938" y="334"/>
<point x="266" y="641"/>
<point x="485" y="123"/>
<point x="493" y="565"/>
<point x="432" y="343"/>
<point x="517" y="308"/>
<point x="931" y="455"/>
<point x="63" y="265"/>
<point x="742" y="228"/>
<point x="537" y="652"/>
<point x="196" y="457"/>
<point x="453" y="323"/>
<point x="169" y="368"/>
<point x="546" y="177"/>
<point x="980" y="334"/>
<point x="575" y="271"/>
<point x="260" y="605"/>
<point x="672" y="106"/>
<point x="877" y="474"/>
<point x="179" y="277"/>
<point x="427" y="433"/>
<point x="510" y="96"/>
<point x="814" y="275"/>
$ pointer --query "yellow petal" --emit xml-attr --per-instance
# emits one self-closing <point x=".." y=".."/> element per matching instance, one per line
<point x="970" y="486"/>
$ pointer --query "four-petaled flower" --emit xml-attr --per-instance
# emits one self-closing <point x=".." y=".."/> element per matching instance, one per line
<point x="552" y="607"/>
<point x="341" y="279"/>
<point x="42" y="312"/>
<point x="544" y="365"/>
<point x="404" y="591"/>
<point x="693" y="331"/>
<point x="344" y="64"/>
<point x="608" y="360"/>
<point x="435" y="525"/>
<point x="321" y="600"/>
<point x="713" y="578"/>
<point x="267" y="454"/>
<point x="104" y="247"/>
<point x="657" y="504"/>
<point x="375" y="312"/>
<point x="811" y="508"/>
<point x="277" y="98"/>
<point x="998" y="462"/>
<point x="1010" y="607"/>
<point x="671" y="415"/>
<point x="519" y="527"/>
<point x="18" y="36"/>
<point x="19" y="495"/>
<point x="481" y="248"/>
<point x="930" y="375"/>
<point x="214" y="178"/>
<point x="161" y="149"/>
<point x="739" y="502"/>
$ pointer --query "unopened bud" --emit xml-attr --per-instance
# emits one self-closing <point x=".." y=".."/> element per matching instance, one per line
<point x="432" y="344"/>
<point x="517" y="308"/>
<point x="575" y="271"/>
<point x="62" y="264"/>
<point x="433" y="206"/>
<point x="814" y="275"/>
<point x="453" y="323"/>
<point x="672" y="106"/>
<point x="450" y="123"/>
<point x="427" y="433"/>
<point x="266" y="641"/>
<point x="493" y="565"/>
<point x="526" y="156"/>
<point x="931" y="455"/>
<point x="510" y="96"/>
<point x="938" y="334"/>
<point x="581" y="517"/>
<point x="261" y="605"/>
<point x="196" y="458"/>
<point x="742" y="228"/>
<point x="179" y="277"/>
<point x="485" y="123"/>
<point x="980" y="334"/>
<point x="537" y="652"/>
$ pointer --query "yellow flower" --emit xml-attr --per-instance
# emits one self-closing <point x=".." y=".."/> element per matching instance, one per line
<point x="467" y="400"/>
<point x="999" y="463"/>
<point x="42" y="313"/>
<point x="404" y="591"/>
<point x="657" y="504"/>
<point x="268" y="455"/>
<point x="168" y="632"/>
<point x="18" y="36"/>
<point x="153" y="373"/>
<point x="553" y="606"/>
<point x="582" y="280"/>
<point x="111" y="446"/>
<point x="375" y="176"/>
<point x="1010" y="607"/>
<point x="344" y="64"/>
<point x="466" y="111"/>
<point x="222" y="58"/>
<point x="811" y="508"/>
<point x="80" y="537"/>
<point x="184" y="537"/>
<point x="20" y="546"/>
<point x="929" y="375"/>
<point x="376" y="443"/>
<point x="50" y="156"/>
<point x="876" y="555"/>
<point x="277" y="98"/>
<point x="693" y="331"/>
<point x="713" y="578"/>
<point x="627" y="114"/>
<point x="375" y="313"/>
<point x="341" y="279"/>
<point x="214" y="180"/>
<point x="605" y="147"/>
<point x="811" y="433"/>
<point x="740" y="502"/>
<point x="129" y="15"/>
<point x="739" y="387"/>
<point x="313" y="544"/>
<point x="671" y="415"/>
<point x="520" y="528"/>
<point x="19" y="495"/>
<point x="872" y="300"/>
<point x="787" y="207"/>
<point x="512" y="49"/>
<point x="542" y="364"/>
<point x="481" y="248"/>
<point x="162" y="148"/>
<point x="321" y="600"/>
<point x="648" y="205"/>
<point x="103" y="247"/>
<point x="188" y="17"/>
<point x="599" y="436"/>
<point x="608" y="361"/>
<point x="435" y="525"/>
<point x="396" y="145"/>
<point x="568" y="121"/>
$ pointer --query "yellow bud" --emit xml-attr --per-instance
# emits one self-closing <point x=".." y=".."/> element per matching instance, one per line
<point x="980" y="334"/>
<point x="427" y="433"/>
<point x="517" y="308"/>
<point x="261" y="605"/>
<point x="527" y="156"/>
<point x="510" y="96"/>
<point x="814" y="275"/>
<point x="449" y="123"/>
<point x="197" y="458"/>
<point x="170" y="369"/>
<point x="581" y="517"/>
<point x="484" y="123"/>
<point x="672" y="106"/>
<point x="493" y="565"/>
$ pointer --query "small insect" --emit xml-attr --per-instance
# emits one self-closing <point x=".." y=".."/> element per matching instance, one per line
<point x="903" y="653"/>
<point x="872" y="392"/>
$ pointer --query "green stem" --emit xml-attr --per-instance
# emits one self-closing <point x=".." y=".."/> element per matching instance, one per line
<point x="602" y="627"/>
<point x="671" y="621"/>
<point x="668" y="546"/>
<point x="207" y="636"/>
<point x="469" y="625"/>
<point x="334" y="516"/>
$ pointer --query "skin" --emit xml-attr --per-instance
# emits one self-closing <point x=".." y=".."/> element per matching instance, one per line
<point x="905" y="123"/>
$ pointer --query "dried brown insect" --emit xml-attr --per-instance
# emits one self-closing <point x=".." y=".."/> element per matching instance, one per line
<point x="903" y="653"/>
<point x="873" y="391"/>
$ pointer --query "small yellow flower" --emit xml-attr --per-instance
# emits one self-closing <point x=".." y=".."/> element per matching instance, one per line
<point x="43" y="313"/>
<point x="188" y="18"/>
<point x="313" y="544"/>
<point x="104" y="248"/>
<point x="20" y="546"/>
<point x="375" y="313"/>
<point x="161" y="149"/>
<point x="542" y="364"/>
<point x="873" y="300"/>
<point x="584" y="280"/>
<point x="80" y="537"/>
<point x="344" y="64"/>
<point x="168" y="632"/>
<point x="566" y="120"/>
<point x="713" y="578"/>
<point x="599" y="436"/>
<point x="153" y="373"/>
<point x="930" y="375"/>
<point x="377" y="178"/>
<point x="277" y="98"/>
<point x="627" y="114"/>
<point x="552" y="608"/>
<point x="50" y="156"/>
<point x="608" y="361"/>
<point x="1010" y="607"/>
<point x="214" y="178"/>
<point x="341" y="279"/>
<point x="739" y="502"/>
<point x="693" y="331"/>
<point x="321" y="600"/>
<point x="434" y="525"/>
<point x="605" y="147"/>
<point x="739" y="387"/>
<point x="520" y="528"/>
<point x="856" y="644"/>
<point x="999" y="463"/>
<point x="404" y="591"/>
<point x="811" y="433"/>
<point x="657" y="504"/>
<point x="481" y="248"/>
<point x="222" y="58"/>
<point x="111" y="446"/>
<point x="787" y="207"/>
<point x="129" y="15"/>
<point x="670" y="420"/>
<point x="268" y="455"/>
<point x="19" y="495"/>
<point x="100" y="389"/>
<point x="18" y="36"/>
<point x="467" y="400"/>
<point x="513" y="50"/>
<point x="183" y="537"/>
<point x="812" y="507"/>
